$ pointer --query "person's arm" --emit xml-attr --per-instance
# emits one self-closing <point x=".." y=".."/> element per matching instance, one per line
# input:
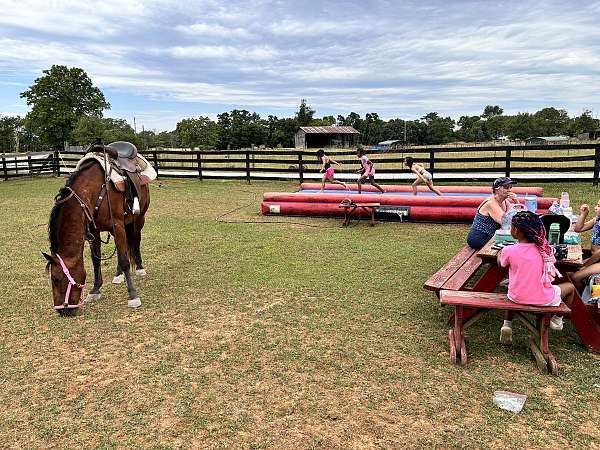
<point x="322" y="165"/>
<point x="418" y="174"/>
<point x="333" y="161"/>
<point x="494" y="211"/>
<point x="592" y="259"/>
<point x="581" y="224"/>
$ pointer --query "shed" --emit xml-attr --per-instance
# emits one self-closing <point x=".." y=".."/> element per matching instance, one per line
<point x="313" y="137"/>
<point x="546" y="139"/>
<point x="391" y="144"/>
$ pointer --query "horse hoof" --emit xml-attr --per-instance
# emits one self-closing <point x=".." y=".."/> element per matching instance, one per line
<point x="140" y="272"/>
<point x="134" y="302"/>
<point x="93" y="297"/>
<point x="118" y="279"/>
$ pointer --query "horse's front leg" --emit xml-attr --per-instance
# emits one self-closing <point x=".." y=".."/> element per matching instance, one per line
<point x="122" y="251"/>
<point x="95" y="248"/>
<point x="137" y="240"/>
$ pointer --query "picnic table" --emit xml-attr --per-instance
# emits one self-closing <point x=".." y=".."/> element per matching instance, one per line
<point x="468" y="281"/>
<point x="351" y="207"/>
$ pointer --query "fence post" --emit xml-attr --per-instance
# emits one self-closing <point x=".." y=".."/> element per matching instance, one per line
<point x="300" y="168"/>
<point x="199" y="164"/>
<point x="4" y="167"/>
<point x="155" y="161"/>
<point x="16" y="166"/>
<point x="29" y="164"/>
<point x="596" y="165"/>
<point x="507" y="163"/>
<point x="57" y="162"/>
<point x="432" y="161"/>
<point x="248" y="166"/>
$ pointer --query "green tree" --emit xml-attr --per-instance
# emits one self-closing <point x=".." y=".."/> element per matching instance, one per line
<point x="89" y="128"/>
<point x="439" y="130"/>
<point x="550" y="122"/>
<point x="9" y="130"/>
<point x="305" y="114"/>
<point x="585" y="123"/>
<point x="491" y="111"/>
<point x="201" y="132"/>
<point x="58" y="99"/>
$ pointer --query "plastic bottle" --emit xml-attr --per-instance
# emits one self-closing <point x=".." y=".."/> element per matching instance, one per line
<point x="565" y="202"/>
<point x="508" y="215"/>
<point x="554" y="208"/>
<point x="554" y="234"/>
<point x="531" y="203"/>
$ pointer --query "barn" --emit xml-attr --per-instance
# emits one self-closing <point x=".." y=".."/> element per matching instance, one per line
<point x="316" y="137"/>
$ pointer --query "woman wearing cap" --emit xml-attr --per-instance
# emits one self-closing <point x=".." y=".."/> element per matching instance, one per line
<point x="489" y="213"/>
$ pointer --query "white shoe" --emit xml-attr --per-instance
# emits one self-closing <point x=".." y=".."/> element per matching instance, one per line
<point x="506" y="335"/>
<point x="556" y="323"/>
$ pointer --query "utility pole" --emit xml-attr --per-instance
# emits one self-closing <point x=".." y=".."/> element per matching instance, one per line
<point x="134" y="127"/>
<point x="405" y="132"/>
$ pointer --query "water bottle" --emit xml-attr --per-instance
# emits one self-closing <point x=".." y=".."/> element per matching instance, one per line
<point x="564" y="200"/>
<point x="508" y="215"/>
<point x="554" y="234"/>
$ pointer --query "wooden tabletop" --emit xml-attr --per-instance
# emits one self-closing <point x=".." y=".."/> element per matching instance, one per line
<point x="573" y="261"/>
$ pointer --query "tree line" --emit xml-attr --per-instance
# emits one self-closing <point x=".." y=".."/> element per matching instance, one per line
<point x="67" y="108"/>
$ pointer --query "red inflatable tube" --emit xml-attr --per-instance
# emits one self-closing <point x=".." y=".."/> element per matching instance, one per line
<point x="385" y="199"/>
<point x="538" y="191"/>
<point x="414" y="213"/>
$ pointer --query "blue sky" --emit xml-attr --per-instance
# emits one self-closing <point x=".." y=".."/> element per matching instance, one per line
<point x="162" y="61"/>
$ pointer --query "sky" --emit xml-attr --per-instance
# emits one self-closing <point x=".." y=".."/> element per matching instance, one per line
<point x="164" y="61"/>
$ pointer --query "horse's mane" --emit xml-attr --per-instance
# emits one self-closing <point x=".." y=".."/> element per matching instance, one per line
<point x="57" y="208"/>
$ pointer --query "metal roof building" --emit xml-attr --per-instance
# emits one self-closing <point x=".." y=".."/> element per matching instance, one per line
<point x="546" y="139"/>
<point x="313" y="137"/>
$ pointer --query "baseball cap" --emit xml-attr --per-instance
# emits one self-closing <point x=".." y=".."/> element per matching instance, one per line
<point x="502" y="181"/>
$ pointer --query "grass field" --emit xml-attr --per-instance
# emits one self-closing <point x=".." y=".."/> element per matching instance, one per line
<point x="268" y="335"/>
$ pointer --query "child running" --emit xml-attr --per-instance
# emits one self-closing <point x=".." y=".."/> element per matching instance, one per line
<point x="591" y="266"/>
<point x="326" y="163"/>
<point x="367" y="171"/>
<point x="422" y="175"/>
<point x="531" y="271"/>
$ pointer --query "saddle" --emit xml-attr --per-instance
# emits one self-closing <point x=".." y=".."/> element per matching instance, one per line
<point x="127" y="170"/>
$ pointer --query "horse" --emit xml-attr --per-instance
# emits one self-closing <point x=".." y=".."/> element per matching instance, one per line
<point x="88" y="204"/>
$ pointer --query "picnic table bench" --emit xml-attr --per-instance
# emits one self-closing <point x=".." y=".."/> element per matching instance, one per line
<point x="468" y="282"/>
<point x="351" y="207"/>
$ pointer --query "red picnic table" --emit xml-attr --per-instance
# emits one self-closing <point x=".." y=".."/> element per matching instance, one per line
<point x="468" y="282"/>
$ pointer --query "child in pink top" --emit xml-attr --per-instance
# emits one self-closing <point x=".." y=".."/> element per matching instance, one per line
<point x="367" y="171"/>
<point x="531" y="271"/>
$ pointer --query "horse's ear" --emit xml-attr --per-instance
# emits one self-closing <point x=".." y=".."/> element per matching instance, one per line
<point x="48" y="257"/>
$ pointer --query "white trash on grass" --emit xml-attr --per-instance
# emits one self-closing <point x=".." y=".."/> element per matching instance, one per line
<point x="510" y="401"/>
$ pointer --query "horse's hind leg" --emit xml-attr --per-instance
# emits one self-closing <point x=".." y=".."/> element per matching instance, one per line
<point x="121" y="243"/>
<point x="95" y="248"/>
<point x="137" y="240"/>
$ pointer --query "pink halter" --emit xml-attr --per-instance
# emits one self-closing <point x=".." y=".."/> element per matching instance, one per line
<point x="72" y="282"/>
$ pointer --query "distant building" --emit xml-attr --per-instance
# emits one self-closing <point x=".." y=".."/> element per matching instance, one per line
<point x="546" y="139"/>
<point x="392" y="144"/>
<point x="592" y="135"/>
<point x="314" y="137"/>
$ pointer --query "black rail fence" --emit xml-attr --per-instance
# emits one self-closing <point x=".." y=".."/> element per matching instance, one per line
<point x="557" y="162"/>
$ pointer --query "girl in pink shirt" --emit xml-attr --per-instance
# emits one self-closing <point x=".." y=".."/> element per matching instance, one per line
<point x="531" y="271"/>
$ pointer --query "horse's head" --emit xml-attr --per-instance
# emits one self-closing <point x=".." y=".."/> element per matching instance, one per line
<point x="68" y="280"/>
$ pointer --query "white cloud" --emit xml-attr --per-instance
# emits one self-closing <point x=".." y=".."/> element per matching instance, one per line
<point x="213" y="30"/>
<point x="227" y="52"/>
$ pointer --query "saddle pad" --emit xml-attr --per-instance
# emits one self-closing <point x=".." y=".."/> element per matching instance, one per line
<point x="146" y="175"/>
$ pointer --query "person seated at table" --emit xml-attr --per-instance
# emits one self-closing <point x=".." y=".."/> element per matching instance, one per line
<point x="367" y="170"/>
<point x="326" y="166"/>
<point x="423" y="176"/>
<point x="591" y="266"/>
<point x="490" y="212"/>
<point x="531" y="271"/>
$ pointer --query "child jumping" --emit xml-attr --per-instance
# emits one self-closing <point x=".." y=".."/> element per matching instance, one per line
<point x="326" y="163"/>
<point x="531" y="271"/>
<point x="422" y="175"/>
<point x="591" y="266"/>
<point x="367" y="171"/>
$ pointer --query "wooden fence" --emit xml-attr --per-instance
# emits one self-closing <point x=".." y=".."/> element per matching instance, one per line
<point x="557" y="162"/>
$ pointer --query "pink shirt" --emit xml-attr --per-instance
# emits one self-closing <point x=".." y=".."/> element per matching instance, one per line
<point x="369" y="169"/>
<point x="525" y="275"/>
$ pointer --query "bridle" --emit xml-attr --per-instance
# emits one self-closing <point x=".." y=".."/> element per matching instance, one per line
<point x="72" y="283"/>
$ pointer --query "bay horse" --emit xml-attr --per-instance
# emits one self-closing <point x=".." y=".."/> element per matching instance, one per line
<point x="88" y="204"/>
